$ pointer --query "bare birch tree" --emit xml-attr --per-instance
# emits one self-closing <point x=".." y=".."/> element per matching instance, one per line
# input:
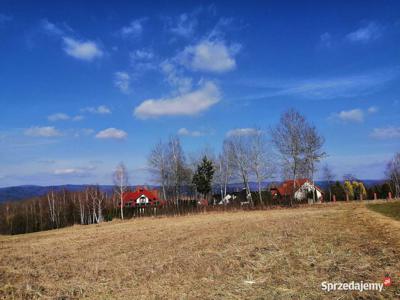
<point x="51" y="198"/>
<point x="260" y="160"/>
<point x="238" y="151"/>
<point x="176" y="165"/>
<point x="158" y="163"/>
<point x="313" y="143"/>
<point x="223" y="171"/>
<point x="97" y="198"/>
<point x="121" y="185"/>
<point x="288" y="138"/>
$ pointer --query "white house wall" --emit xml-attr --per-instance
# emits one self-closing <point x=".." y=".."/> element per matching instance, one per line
<point x="301" y="193"/>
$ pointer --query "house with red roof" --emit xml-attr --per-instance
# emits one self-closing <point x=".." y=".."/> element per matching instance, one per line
<point x="142" y="197"/>
<point x="299" y="189"/>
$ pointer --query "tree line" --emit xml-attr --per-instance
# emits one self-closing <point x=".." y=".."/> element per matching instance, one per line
<point x="292" y="149"/>
<point x="57" y="210"/>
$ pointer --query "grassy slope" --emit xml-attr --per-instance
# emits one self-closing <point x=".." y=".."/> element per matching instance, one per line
<point x="260" y="254"/>
<point x="390" y="209"/>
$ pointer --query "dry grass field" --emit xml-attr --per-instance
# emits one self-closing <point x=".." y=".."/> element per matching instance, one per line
<point x="274" y="254"/>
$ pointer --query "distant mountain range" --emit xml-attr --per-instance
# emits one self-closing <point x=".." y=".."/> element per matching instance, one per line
<point x="21" y="192"/>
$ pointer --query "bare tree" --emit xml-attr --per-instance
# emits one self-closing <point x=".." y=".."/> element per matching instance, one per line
<point x="158" y="162"/>
<point x="238" y="151"/>
<point x="97" y="198"/>
<point x="288" y="138"/>
<point x="121" y="184"/>
<point x="260" y="160"/>
<point x="176" y="166"/>
<point x="393" y="174"/>
<point x="53" y="209"/>
<point x="223" y="171"/>
<point x="328" y="176"/>
<point x="313" y="143"/>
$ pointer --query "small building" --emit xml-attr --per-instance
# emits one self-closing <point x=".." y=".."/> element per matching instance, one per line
<point x="301" y="190"/>
<point x="142" y="197"/>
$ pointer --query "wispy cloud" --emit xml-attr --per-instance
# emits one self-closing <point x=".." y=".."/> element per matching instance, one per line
<point x="68" y="171"/>
<point x="58" y="117"/>
<point x="370" y="32"/>
<point x="184" y="25"/>
<point x="51" y="28"/>
<point x="45" y="131"/>
<point x="188" y="104"/>
<point x="385" y="133"/>
<point x="325" y="39"/>
<point x="372" y="109"/>
<point x="78" y="118"/>
<point x="111" y="133"/>
<point x="83" y="50"/>
<point x="83" y="132"/>
<point x="122" y="80"/>
<point x="175" y="78"/>
<point x="327" y="88"/>
<point x="194" y="133"/>
<point x="209" y="56"/>
<point x="242" y="132"/>
<point x="143" y="60"/>
<point x="101" y="110"/>
<point x="141" y="54"/>
<point x="80" y="171"/>
<point x="134" y="29"/>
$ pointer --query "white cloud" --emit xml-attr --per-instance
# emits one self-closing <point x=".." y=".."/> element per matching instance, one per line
<point x="187" y="104"/>
<point x="142" y="54"/>
<point x="134" y="29"/>
<point x="209" y="56"/>
<point x="143" y="60"/>
<point x="111" y="133"/>
<point x="386" y="133"/>
<point x="67" y="171"/>
<point x="58" y="117"/>
<point x="122" y="80"/>
<point x="186" y="132"/>
<point x="100" y="110"/>
<point x="81" y="171"/>
<point x="370" y="32"/>
<point x="242" y="132"/>
<point x="87" y="50"/>
<point x="353" y="115"/>
<point x="46" y="131"/>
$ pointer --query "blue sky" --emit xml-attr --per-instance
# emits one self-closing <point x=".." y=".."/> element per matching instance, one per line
<point x="84" y="86"/>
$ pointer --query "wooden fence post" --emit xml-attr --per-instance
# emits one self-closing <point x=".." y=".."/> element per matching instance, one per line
<point x="347" y="197"/>
<point x="375" y="196"/>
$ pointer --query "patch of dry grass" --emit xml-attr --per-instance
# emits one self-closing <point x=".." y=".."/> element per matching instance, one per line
<point x="255" y="255"/>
